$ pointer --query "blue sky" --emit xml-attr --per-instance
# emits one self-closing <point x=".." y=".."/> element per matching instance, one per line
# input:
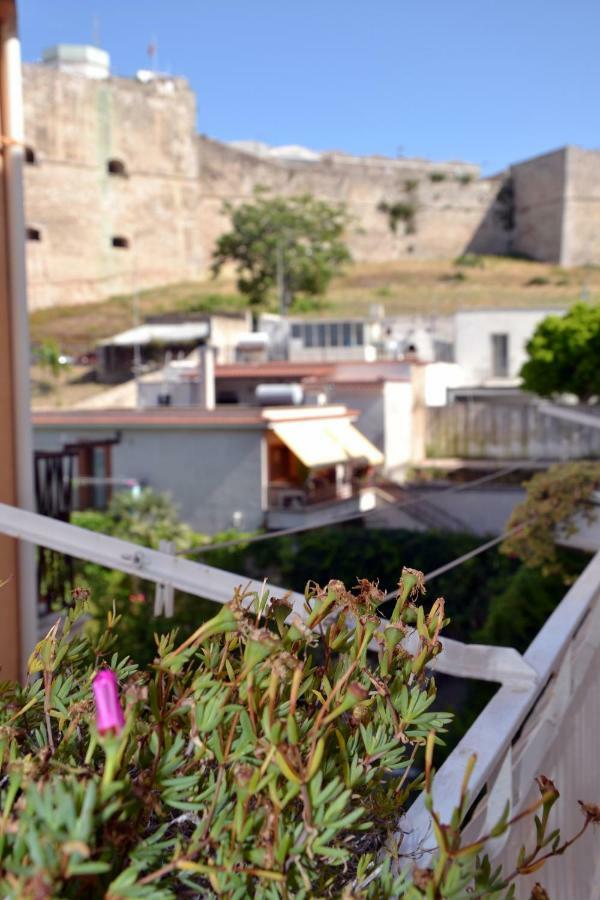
<point x="489" y="82"/>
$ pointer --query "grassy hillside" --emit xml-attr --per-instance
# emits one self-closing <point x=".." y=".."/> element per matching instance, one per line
<point x="431" y="287"/>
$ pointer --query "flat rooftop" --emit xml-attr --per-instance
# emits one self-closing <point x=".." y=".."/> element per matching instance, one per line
<point x="336" y="372"/>
<point x="233" y="416"/>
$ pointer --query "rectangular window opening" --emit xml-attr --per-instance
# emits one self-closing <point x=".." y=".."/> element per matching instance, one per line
<point x="499" y="355"/>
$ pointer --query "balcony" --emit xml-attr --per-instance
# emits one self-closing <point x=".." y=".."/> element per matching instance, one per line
<point x="545" y="717"/>
<point x="319" y="504"/>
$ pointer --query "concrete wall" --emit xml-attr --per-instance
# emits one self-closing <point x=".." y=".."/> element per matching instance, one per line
<point x="367" y="400"/>
<point x="481" y="511"/>
<point x="496" y="429"/>
<point x="210" y="473"/>
<point x="440" y="377"/>
<point x="400" y="422"/>
<point x="473" y="330"/>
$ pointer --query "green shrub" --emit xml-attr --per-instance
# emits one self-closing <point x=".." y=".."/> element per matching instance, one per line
<point x="563" y="355"/>
<point x="146" y="520"/>
<point x="263" y="757"/>
<point x="454" y="277"/>
<point x="537" y="281"/>
<point x="400" y="212"/>
<point x="470" y="260"/>
<point x="436" y="177"/>
<point x="554" y="499"/>
<point x="464" y="178"/>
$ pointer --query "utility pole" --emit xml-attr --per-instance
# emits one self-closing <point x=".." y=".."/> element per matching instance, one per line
<point x="280" y="278"/>
<point x="135" y="309"/>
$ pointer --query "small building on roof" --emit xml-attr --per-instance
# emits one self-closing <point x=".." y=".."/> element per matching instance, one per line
<point x="245" y="466"/>
<point x="149" y="343"/>
<point x="168" y="336"/>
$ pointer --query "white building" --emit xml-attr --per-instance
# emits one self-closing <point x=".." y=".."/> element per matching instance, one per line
<point x="490" y="344"/>
<point x="387" y="396"/>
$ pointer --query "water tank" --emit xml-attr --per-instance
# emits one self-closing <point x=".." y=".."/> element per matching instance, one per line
<point x="279" y="394"/>
<point x="254" y="340"/>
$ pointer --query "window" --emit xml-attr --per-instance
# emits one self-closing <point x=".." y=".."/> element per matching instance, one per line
<point x="321" y="339"/>
<point x="499" y="355"/>
<point x="30" y="157"/>
<point x="120" y="242"/>
<point x="116" y="167"/>
<point x="308" y="336"/>
<point x="33" y="234"/>
<point x="360" y="334"/>
<point x="333" y="335"/>
<point x="296" y="330"/>
<point x="347" y="334"/>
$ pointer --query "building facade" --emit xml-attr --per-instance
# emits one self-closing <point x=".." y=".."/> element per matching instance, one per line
<point x="240" y="467"/>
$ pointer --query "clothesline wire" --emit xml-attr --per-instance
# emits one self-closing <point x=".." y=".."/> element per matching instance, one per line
<point x="297" y="529"/>
<point x="459" y="560"/>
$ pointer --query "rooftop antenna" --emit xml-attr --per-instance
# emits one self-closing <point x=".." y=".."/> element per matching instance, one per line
<point x="96" y="30"/>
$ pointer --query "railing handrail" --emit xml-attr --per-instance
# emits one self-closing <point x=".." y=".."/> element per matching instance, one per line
<point x="494" y="730"/>
<point x="167" y="569"/>
<point x="162" y="568"/>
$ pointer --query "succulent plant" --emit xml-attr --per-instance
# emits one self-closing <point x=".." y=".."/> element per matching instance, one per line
<point x="267" y="755"/>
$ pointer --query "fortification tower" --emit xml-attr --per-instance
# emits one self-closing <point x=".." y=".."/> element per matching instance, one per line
<point x="111" y="183"/>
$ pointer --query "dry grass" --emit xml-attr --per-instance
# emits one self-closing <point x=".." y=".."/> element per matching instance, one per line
<point x="431" y="287"/>
<point x="442" y="287"/>
<point x="73" y="385"/>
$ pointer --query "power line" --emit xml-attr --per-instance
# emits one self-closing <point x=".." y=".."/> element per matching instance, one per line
<point x="297" y="529"/>
<point x="447" y="567"/>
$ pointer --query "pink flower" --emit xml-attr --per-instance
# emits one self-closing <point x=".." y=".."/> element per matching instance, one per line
<point x="109" y="715"/>
<point x="137" y="598"/>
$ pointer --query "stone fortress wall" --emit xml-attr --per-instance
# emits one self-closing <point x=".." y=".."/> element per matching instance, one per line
<point x="76" y="127"/>
<point x="122" y="193"/>
<point x="450" y="200"/>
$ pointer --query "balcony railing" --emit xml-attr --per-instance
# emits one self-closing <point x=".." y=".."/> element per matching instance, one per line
<point x="290" y="496"/>
<point x="545" y="717"/>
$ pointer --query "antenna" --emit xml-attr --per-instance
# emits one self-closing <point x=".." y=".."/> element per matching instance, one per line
<point x="96" y="30"/>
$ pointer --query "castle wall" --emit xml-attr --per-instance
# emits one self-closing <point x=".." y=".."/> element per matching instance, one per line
<point x="168" y="205"/>
<point x="75" y="125"/>
<point x="451" y="202"/>
<point x="539" y="189"/>
<point x="581" y="228"/>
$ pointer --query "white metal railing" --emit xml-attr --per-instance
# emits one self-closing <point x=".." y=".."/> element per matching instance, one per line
<point x="538" y="686"/>
<point x="153" y="565"/>
<point x="564" y="700"/>
<point x="168" y="572"/>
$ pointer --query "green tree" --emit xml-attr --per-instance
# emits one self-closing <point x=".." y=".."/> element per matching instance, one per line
<point x="146" y="519"/>
<point x="563" y="355"/>
<point x="294" y="243"/>
<point x="48" y="356"/>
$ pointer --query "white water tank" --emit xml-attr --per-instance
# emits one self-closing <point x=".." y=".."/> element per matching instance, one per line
<point x="279" y="394"/>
